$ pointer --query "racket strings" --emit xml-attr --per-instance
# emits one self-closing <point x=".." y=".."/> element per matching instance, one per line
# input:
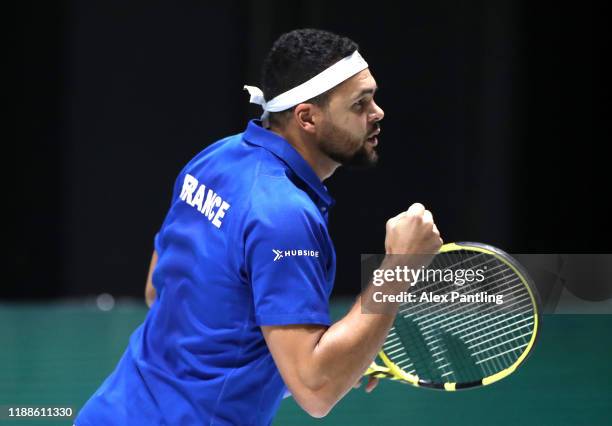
<point x="463" y="342"/>
<point x="501" y="284"/>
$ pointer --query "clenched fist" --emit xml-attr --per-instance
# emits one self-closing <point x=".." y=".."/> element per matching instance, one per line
<point x="412" y="232"/>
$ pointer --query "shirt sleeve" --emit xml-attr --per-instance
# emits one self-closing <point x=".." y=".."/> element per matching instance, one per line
<point x="286" y="260"/>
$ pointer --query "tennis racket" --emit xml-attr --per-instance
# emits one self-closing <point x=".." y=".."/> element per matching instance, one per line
<point x="471" y="341"/>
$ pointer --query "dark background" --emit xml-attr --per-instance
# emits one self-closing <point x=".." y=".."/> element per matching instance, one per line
<point x="494" y="114"/>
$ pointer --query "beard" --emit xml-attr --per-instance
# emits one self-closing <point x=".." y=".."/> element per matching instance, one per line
<point x="345" y="148"/>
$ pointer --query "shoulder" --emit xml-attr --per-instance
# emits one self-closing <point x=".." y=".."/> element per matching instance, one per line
<point x="217" y="148"/>
<point x="276" y="198"/>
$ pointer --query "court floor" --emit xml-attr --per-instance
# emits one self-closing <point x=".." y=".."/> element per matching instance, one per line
<point x="58" y="354"/>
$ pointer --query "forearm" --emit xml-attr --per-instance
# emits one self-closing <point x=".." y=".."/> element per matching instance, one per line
<point x="150" y="296"/>
<point x="150" y="293"/>
<point x="346" y="349"/>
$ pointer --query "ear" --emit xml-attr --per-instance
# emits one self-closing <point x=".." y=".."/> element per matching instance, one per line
<point x="306" y="116"/>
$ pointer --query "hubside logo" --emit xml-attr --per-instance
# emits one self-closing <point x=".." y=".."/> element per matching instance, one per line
<point x="279" y="254"/>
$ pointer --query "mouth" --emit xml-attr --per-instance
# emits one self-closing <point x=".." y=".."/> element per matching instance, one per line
<point x="373" y="139"/>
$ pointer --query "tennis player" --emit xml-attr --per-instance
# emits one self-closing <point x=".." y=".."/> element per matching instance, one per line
<point x="244" y="265"/>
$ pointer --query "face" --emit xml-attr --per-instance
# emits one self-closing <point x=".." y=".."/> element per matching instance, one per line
<point x="348" y="133"/>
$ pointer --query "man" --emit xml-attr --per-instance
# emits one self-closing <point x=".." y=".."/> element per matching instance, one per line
<point x="243" y="264"/>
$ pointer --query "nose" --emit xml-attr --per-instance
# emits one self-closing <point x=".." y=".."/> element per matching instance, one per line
<point x="377" y="113"/>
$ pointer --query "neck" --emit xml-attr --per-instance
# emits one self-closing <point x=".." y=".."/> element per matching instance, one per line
<point x="322" y="165"/>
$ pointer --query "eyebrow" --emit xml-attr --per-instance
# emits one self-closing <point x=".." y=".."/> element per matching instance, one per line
<point x="366" y="92"/>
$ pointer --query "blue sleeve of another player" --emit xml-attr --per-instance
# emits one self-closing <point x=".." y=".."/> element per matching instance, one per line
<point x="286" y="260"/>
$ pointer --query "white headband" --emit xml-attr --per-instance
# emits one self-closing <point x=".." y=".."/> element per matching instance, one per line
<point x="320" y="83"/>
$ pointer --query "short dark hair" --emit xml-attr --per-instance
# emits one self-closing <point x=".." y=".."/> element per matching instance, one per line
<point x="296" y="57"/>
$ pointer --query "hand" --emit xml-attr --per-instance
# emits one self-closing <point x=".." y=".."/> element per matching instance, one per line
<point x="372" y="383"/>
<point x="413" y="232"/>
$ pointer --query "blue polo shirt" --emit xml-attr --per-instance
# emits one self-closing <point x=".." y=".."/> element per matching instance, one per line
<point x="244" y="244"/>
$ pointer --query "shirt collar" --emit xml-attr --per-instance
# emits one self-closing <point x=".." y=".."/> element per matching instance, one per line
<point x="281" y="148"/>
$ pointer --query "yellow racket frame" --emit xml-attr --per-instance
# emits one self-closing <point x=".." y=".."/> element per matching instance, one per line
<point x="393" y="372"/>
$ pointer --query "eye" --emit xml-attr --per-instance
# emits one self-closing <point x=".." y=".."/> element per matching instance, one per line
<point x="359" y="104"/>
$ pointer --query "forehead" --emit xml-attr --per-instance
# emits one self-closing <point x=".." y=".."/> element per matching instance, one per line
<point x="354" y="86"/>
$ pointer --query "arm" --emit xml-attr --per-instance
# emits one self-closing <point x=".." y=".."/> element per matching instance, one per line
<point x="319" y="364"/>
<point x="149" y="289"/>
